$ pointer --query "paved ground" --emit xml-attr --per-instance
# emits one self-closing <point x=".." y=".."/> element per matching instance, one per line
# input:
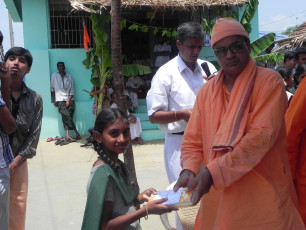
<point x="58" y="177"/>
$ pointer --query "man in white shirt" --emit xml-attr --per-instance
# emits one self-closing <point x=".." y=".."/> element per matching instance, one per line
<point x="62" y="93"/>
<point x="173" y="92"/>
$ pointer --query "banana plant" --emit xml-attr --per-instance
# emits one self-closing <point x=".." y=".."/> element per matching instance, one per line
<point x="263" y="43"/>
<point x="248" y="15"/>
<point x="99" y="60"/>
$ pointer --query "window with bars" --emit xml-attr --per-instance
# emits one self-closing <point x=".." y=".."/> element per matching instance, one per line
<point x="66" y="25"/>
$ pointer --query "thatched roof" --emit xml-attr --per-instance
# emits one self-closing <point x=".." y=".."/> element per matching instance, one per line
<point x="84" y="4"/>
<point x="296" y="38"/>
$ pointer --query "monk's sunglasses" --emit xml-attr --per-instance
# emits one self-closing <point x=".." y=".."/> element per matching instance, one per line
<point x="234" y="48"/>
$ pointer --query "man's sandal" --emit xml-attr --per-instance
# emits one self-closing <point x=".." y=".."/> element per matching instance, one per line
<point x="70" y="139"/>
<point x="64" y="142"/>
<point x="59" y="141"/>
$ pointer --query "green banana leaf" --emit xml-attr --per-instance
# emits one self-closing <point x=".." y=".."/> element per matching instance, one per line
<point x="101" y="49"/>
<point x="135" y="70"/>
<point x="272" y="58"/>
<point x="91" y="59"/>
<point x="208" y="26"/>
<point x="260" y="44"/>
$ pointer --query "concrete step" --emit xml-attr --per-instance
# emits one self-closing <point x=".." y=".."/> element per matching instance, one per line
<point x="152" y="134"/>
<point x="141" y="109"/>
<point x="148" y="125"/>
<point x="142" y="116"/>
<point x="149" y="131"/>
<point x="142" y="102"/>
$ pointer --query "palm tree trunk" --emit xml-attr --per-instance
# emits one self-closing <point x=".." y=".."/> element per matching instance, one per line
<point x="118" y="79"/>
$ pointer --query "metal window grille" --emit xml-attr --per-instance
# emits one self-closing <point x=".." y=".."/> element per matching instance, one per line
<point x="67" y="26"/>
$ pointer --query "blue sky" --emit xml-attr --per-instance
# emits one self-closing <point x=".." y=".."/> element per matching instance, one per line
<point x="277" y="15"/>
<point x="274" y="16"/>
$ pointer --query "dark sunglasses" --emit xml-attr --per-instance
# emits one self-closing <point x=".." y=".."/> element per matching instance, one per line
<point x="234" y="47"/>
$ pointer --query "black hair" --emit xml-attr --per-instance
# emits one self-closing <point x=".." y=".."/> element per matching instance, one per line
<point x="289" y="55"/>
<point x="300" y="50"/>
<point x="189" y="30"/>
<point x="60" y="62"/>
<point x="107" y="116"/>
<point x="19" y="51"/>
<point x="301" y="68"/>
<point x="284" y="71"/>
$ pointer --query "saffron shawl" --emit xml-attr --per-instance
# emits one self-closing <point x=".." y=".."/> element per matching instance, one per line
<point x="230" y="131"/>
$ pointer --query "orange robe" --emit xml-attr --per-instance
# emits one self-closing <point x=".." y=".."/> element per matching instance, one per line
<point x="296" y="144"/>
<point x="252" y="185"/>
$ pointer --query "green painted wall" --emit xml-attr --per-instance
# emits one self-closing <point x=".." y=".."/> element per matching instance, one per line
<point x="44" y="64"/>
<point x="36" y="39"/>
<point x="35" y="24"/>
<point x="73" y="61"/>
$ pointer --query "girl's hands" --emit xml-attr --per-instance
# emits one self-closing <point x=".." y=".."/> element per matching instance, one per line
<point x="145" y="195"/>
<point x="156" y="207"/>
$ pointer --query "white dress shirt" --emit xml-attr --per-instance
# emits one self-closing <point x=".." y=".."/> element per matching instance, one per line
<point x="63" y="87"/>
<point x="174" y="87"/>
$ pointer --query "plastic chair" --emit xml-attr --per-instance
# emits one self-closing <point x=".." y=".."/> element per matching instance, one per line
<point x="187" y="215"/>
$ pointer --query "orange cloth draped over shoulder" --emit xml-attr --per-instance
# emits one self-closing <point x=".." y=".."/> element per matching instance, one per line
<point x="296" y="144"/>
<point x="240" y="136"/>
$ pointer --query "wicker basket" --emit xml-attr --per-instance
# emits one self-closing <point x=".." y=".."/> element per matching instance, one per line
<point x="188" y="215"/>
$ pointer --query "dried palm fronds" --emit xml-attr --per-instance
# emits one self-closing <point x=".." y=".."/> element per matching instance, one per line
<point x="296" y="38"/>
<point x="178" y="4"/>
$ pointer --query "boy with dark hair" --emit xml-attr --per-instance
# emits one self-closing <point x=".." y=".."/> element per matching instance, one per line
<point x="26" y="108"/>
<point x="289" y="59"/>
<point x="300" y="55"/>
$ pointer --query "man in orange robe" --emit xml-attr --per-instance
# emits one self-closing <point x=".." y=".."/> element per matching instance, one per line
<point x="237" y="129"/>
<point x="296" y="144"/>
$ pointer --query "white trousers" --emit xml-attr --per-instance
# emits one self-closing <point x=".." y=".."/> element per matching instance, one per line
<point x="134" y="99"/>
<point x="172" y="157"/>
<point x="135" y="129"/>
